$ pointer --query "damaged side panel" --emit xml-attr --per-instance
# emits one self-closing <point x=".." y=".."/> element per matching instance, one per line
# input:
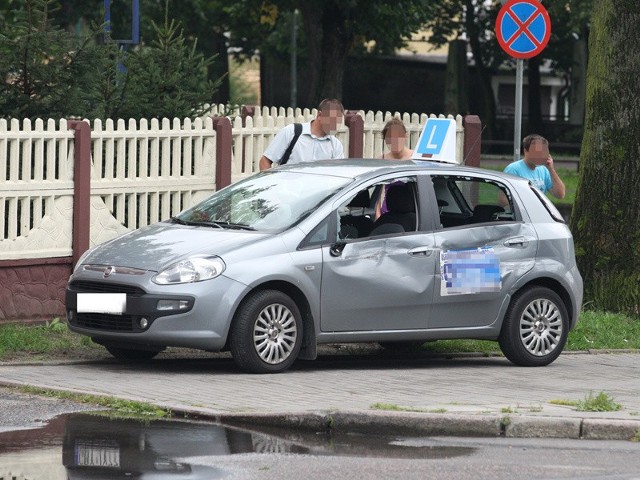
<point x="476" y="270"/>
<point x="379" y="284"/>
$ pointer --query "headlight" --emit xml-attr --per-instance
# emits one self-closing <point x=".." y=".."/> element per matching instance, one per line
<point x="195" y="269"/>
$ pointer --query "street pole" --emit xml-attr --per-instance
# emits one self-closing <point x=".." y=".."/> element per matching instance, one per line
<point x="517" y="121"/>
<point x="294" y="58"/>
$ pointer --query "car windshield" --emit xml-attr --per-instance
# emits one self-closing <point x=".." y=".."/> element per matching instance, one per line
<point x="271" y="201"/>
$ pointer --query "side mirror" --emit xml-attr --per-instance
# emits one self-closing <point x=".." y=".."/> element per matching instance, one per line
<point x="336" y="249"/>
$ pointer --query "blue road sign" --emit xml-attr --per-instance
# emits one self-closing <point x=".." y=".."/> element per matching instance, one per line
<point x="523" y="28"/>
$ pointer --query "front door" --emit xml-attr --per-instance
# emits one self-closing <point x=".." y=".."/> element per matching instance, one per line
<point x="378" y="284"/>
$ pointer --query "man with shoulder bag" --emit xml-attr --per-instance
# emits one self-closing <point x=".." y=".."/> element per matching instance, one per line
<point x="306" y="142"/>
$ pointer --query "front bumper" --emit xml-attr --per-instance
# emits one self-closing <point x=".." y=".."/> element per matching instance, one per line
<point x="195" y="315"/>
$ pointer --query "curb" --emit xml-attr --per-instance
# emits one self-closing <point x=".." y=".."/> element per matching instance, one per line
<point x="407" y="423"/>
<point x="432" y="424"/>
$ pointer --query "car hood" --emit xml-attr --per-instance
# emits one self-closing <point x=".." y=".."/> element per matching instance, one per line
<point x="157" y="246"/>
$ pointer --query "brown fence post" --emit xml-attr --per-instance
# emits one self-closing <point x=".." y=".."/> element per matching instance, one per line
<point x="472" y="140"/>
<point x="81" y="188"/>
<point x="355" y="124"/>
<point x="247" y="111"/>
<point x="224" y="142"/>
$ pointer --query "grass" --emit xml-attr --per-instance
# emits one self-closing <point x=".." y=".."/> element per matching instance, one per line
<point x="398" y="408"/>
<point x="115" y="405"/>
<point x="595" y="331"/>
<point x="51" y="339"/>
<point x="601" y="402"/>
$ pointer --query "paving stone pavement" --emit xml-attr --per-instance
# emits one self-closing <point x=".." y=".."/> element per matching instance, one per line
<point x="456" y="385"/>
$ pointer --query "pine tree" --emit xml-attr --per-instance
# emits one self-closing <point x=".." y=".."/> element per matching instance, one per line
<point x="39" y="64"/>
<point x="167" y="78"/>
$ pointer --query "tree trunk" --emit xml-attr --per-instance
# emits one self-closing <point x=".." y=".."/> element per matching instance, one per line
<point x="606" y="216"/>
<point x="329" y="41"/>
<point x="534" y="115"/>
<point x="489" y="114"/>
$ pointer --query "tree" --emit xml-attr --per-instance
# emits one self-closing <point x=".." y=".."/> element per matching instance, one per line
<point x="475" y="21"/>
<point x="39" y="63"/>
<point x="569" y="23"/>
<point x="167" y="78"/>
<point x="49" y="70"/>
<point x="332" y="30"/>
<point x="606" y="216"/>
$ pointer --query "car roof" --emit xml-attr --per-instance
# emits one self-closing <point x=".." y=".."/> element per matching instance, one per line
<point x="362" y="168"/>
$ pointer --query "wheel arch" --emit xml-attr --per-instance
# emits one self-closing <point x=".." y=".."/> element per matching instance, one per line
<point x="557" y="287"/>
<point x="308" y="350"/>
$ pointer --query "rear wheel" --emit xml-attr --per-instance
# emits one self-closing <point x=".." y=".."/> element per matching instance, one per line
<point x="131" y="354"/>
<point x="266" y="334"/>
<point x="535" y="327"/>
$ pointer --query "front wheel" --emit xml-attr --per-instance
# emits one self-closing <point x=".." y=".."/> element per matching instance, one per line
<point x="535" y="327"/>
<point x="266" y="334"/>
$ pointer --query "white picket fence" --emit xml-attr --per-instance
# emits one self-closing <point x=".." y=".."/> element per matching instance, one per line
<point x="142" y="172"/>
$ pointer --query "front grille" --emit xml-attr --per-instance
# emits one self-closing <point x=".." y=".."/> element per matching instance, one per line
<point x="106" y="321"/>
<point x="105" y="287"/>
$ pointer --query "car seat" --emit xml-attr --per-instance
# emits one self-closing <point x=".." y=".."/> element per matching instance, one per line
<point x="401" y="208"/>
<point x="485" y="213"/>
<point x="357" y="226"/>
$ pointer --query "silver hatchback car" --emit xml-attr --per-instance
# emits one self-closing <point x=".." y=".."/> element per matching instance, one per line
<point x="338" y="251"/>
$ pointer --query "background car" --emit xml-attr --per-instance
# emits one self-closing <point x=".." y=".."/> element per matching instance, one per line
<point x="338" y="251"/>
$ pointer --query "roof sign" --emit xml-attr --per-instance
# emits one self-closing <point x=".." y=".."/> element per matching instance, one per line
<point x="437" y="141"/>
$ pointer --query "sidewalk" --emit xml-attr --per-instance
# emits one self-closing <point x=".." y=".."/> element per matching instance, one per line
<point x="455" y="395"/>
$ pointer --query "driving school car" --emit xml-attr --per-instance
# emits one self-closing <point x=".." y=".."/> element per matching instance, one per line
<point x="393" y="252"/>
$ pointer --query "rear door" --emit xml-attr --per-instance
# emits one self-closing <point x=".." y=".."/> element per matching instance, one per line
<point x="483" y="248"/>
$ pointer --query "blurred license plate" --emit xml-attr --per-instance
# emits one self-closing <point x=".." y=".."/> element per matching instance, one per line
<point x="102" y="303"/>
<point x="88" y="455"/>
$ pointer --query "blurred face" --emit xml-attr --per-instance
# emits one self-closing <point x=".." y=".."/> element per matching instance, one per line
<point x="329" y="120"/>
<point x="538" y="152"/>
<point x="395" y="139"/>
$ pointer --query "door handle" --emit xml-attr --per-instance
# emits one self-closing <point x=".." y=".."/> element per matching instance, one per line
<point x="516" y="242"/>
<point x="420" y="251"/>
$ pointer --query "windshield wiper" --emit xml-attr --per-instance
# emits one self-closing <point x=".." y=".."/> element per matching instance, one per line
<point x="213" y="223"/>
<point x="235" y="226"/>
<point x="195" y="224"/>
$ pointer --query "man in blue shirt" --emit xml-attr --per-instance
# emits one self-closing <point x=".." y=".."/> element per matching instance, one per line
<point x="537" y="166"/>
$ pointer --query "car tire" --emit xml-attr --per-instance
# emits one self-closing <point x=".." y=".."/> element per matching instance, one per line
<point x="535" y="327"/>
<point x="266" y="333"/>
<point x="131" y="354"/>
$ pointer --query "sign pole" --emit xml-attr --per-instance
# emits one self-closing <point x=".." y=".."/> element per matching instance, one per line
<point x="523" y="29"/>
<point x="517" y="121"/>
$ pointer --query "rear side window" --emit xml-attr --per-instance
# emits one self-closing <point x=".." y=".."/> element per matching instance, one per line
<point x="551" y="208"/>
<point x="472" y="200"/>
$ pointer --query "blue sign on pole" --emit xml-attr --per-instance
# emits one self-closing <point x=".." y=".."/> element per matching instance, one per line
<point x="523" y="28"/>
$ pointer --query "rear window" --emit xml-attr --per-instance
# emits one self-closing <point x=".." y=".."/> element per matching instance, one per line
<point x="551" y="208"/>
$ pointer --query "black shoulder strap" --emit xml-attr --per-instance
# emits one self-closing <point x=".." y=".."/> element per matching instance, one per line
<point x="297" y="130"/>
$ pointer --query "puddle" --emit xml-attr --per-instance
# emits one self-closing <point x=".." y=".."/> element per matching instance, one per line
<point x="95" y="446"/>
